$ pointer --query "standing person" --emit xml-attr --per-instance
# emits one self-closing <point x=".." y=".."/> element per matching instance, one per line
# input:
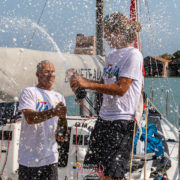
<point x="41" y="108"/>
<point x="111" y="140"/>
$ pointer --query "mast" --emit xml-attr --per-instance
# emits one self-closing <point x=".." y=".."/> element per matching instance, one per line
<point x="99" y="44"/>
<point x="134" y="16"/>
<point x="99" y="27"/>
<point x="137" y="18"/>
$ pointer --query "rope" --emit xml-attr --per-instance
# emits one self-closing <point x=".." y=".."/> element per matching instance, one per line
<point x="132" y="151"/>
<point x="84" y="107"/>
<point x="145" y="164"/>
<point x="134" y="16"/>
<point x="30" y="42"/>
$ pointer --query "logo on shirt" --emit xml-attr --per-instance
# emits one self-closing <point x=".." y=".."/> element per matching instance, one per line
<point x="110" y="71"/>
<point x="41" y="105"/>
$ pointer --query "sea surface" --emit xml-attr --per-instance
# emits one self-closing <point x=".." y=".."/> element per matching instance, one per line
<point x="164" y="93"/>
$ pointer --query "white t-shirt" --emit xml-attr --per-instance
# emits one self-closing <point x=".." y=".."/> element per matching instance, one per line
<point x="126" y="62"/>
<point x="38" y="146"/>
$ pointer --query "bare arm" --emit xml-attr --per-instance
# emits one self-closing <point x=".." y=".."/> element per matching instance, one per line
<point x="101" y="81"/>
<point x="34" y="117"/>
<point x="112" y="89"/>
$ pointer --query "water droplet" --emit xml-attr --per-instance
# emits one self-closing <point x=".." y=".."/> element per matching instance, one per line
<point x="14" y="39"/>
<point x="16" y="98"/>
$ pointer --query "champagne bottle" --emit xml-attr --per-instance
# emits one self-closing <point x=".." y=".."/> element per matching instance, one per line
<point x="62" y="127"/>
<point x="80" y="92"/>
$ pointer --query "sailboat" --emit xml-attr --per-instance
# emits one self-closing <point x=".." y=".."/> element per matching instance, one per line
<point x="145" y="164"/>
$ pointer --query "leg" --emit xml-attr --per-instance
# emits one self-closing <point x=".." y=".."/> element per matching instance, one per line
<point x="29" y="173"/>
<point x="50" y="172"/>
<point x="23" y="173"/>
<point x="121" y="144"/>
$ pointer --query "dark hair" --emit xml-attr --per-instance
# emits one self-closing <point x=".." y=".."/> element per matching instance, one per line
<point x="117" y="20"/>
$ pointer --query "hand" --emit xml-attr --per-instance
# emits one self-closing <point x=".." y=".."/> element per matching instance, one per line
<point x="62" y="138"/>
<point x="77" y="81"/>
<point x="60" y="110"/>
<point x="59" y="138"/>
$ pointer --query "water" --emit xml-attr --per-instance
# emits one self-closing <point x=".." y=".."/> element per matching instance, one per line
<point x="164" y="92"/>
<point x="24" y="33"/>
<point x="73" y="108"/>
<point x="157" y="90"/>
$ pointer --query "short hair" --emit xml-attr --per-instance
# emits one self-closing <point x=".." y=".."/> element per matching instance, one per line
<point x="39" y="65"/>
<point x="117" y="20"/>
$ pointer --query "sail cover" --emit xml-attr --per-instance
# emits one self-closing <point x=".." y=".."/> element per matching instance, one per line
<point x="18" y="70"/>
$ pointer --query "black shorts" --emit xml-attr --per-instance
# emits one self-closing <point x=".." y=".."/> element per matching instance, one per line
<point x="49" y="172"/>
<point x="110" y="146"/>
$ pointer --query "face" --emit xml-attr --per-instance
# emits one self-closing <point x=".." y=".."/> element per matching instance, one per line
<point x="111" y="37"/>
<point x="108" y="36"/>
<point x="46" y="76"/>
<point x="114" y="39"/>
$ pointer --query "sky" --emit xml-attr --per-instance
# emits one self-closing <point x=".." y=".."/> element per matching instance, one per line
<point x="21" y="25"/>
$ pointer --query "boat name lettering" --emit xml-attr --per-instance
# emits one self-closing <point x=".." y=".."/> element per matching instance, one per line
<point x="88" y="73"/>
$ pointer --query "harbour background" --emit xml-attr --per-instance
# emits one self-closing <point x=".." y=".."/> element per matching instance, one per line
<point x="163" y="92"/>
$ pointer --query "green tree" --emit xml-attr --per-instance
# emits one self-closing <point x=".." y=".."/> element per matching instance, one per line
<point x="177" y="54"/>
<point x="167" y="56"/>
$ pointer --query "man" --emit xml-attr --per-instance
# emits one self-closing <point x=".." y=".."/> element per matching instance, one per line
<point x="111" y="139"/>
<point x="41" y="108"/>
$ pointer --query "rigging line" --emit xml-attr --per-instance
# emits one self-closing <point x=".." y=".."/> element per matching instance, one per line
<point x="176" y="105"/>
<point x="132" y="151"/>
<point x="30" y="42"/>
<point x="145" y="149"/>
<point x="90" y="103"/>
<point x="154" y="106"/>
<point x="166" y="163"/>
